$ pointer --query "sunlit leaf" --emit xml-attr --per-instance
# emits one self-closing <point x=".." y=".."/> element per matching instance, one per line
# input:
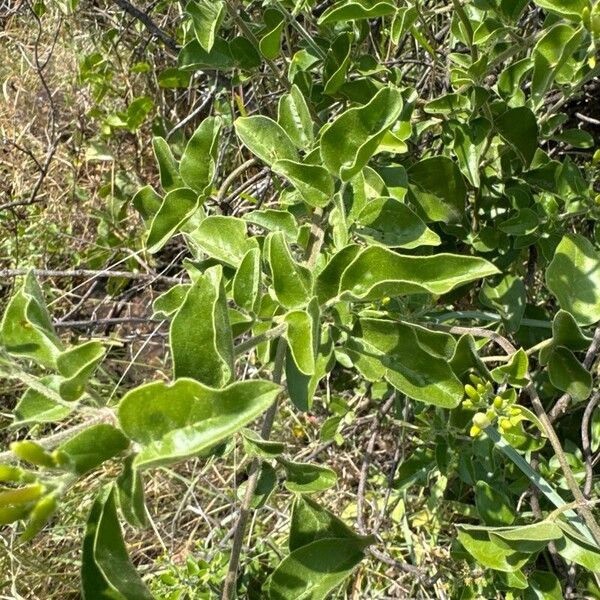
<point x="182" y="419"/>
<point x="106" y="569"/>
<point x="200" y="334"/>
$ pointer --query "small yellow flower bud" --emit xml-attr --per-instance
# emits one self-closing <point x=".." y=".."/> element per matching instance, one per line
<point x="481" y="420"/>
<point x="498" y="402"/>
<point x="474" y="431"/>
<point x="505" y="424"/>
<point x="472" y="393"/>
<point x="475" y="379"/>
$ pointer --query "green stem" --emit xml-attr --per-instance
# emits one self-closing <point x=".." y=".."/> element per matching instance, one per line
<point x="539" y="481"/>
<point x="243" y="347"/>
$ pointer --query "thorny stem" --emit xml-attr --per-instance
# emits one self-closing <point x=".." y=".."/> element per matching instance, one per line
<point x="229" y="586"/>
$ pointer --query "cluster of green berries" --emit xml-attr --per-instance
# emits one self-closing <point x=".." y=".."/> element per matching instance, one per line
<point x="490" y="407"/>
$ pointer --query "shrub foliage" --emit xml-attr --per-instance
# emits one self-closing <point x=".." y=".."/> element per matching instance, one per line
<point x="419" y="230"/>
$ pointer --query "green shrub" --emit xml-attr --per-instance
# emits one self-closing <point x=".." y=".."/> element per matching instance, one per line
<point x="430" y="240"/>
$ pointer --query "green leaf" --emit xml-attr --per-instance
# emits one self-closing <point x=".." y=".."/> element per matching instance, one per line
<point x="353" y="11"/>
<point x="377" y="272"/>
<point x="265" y="485"/>
<point x="292" y="282"/>
<point x="198" y="164"/>
<point x="568" y="9"/>
<point x="301" y="387"/>
<point x="348" y="143"/>
<point x="274" y="220"/>
<point x="130" y="491"/>
<point x="508" y="298"/>
<point x="147" y="202"/>
<point x="391" y="223"/>
<point x="337" y="63"/>
<point x="293" y="115"/>
<point x="313" y="571"/>
<point x="414" y="360"/>
<point x="174" y="78"/>
<point x="256" y="446"/>
<point x="245" y="53"/>
<point x="578" y="138"/>
<point x="88" y="449"/>
<point x="266" y="139"/>
<point x="26" y="328"/>
<point x="438" y="189"/>
<point x="223" y="238"/>
<point x="247" y="280"/>
<point x="328" y="281"/>
<point x="493" y="505"/>
<point x="175" y="421"/>
<point x="106" y="570"/>
<point x="169" y="302"/>
<point x="270" y="38"/>
<point x="566" y="332"/>
<point x="167" y="165"/>
<point x="470" y="142"/>
<point x="177" y="207"/>
<point x="76" y="365"/>
<point x="569" y="375"/>
<point x="526" y="538"/>
<point x="576" y="549"/>
<point x="543" y="585"/>
<point x="312" y="522"/>
<point x="524" y="222"/>
<point x="307" y="479"/>
<point x="302" y="342"/>
<point x="573" y="276"/>
<point x="200" y="334"/>
<point x="514" y="372"/>
<point x="550" y="54"/>
<point x="193" y="57"/>
<point x="447" y="104"/>
<point x="476" y="542"/>
<point x="36" y="407"/>
<point x="404" y="19"/>
<point x="206" y="19"/>
<point x="313" y="182"/>
<point x="518" y="126"/>
<point x="137" y="111"/>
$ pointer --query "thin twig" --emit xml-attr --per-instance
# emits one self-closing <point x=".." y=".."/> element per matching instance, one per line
<point x="232" y="177"/>
<point x="364" y="470"/>
<point x="229" y="585"/>
<point x="586" y="445"/>
<point x="151" y="26"/>
<point x="88" y="273"/>
<point x="90" y="323"/>
<point x="562" y="404"/>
